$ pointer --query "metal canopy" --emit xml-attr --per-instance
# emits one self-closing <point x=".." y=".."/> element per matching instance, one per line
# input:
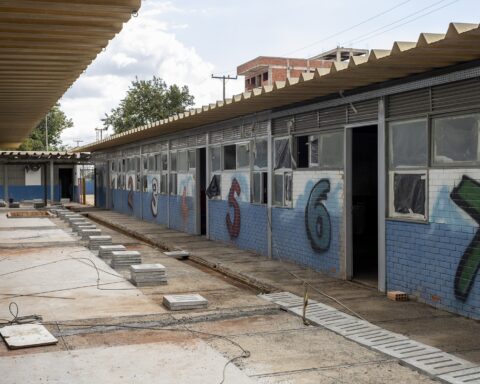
<point x="77" y="157"/>
<point x="460" y="44"/>
<point x="44" y="46"/>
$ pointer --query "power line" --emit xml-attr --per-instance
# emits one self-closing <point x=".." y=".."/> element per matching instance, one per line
<point x="224" y="78"/>
<point x="347" y="29"/>
<point x="381" y="30"/>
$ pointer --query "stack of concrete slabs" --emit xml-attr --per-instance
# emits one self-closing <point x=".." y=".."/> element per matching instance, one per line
<point x="105" y="251"/>
<point x="85" y="233"/>
<point x="95" y="241"/>
<point x="122" y="259"/>
<point x="182" y="302"/>
<point x="148" y="274"/>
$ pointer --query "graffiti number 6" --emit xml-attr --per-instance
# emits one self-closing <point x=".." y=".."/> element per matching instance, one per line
<point x="317" y="219"/>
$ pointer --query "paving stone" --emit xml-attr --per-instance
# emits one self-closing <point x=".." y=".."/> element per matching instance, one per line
<point x="464" y="376"/>
<point x="26" y="335"/>
<point x="181" y="302"/>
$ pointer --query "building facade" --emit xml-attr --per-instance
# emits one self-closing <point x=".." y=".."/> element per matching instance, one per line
<point x="379" y="184"/>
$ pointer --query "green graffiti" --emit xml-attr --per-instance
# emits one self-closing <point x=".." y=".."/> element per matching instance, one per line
<point x="467" y="196"/>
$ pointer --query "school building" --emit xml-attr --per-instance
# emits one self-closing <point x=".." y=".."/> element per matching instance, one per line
<point x="369" y="170"/>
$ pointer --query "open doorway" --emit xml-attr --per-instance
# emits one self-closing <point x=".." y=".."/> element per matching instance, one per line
<point x="202" y="187"/>
<point x="65" y="177"/>
<point x="365" y="204"/>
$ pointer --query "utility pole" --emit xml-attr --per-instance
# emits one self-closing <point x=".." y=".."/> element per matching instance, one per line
<point x="97" y="130"/>
<point x="224" y="79"/>
<point x="78" y="141"/>
<point x="46" y="132"/>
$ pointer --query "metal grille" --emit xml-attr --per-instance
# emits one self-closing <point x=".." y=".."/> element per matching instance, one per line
<point x="233" y="133"/>
<point x="454" y="95"/>
<point x="192" y="141"/>
<point x="332" y="117"/>
<point x="202" y="139"/>
<point x="216" y="137"/>
<point x="164" y="146"/>
<point x="365" y="111"/>
<point x="280" y="126"/>
<point x="179" y="143"/>
<point x="408" y="103"/>
<point x="306" y="122"/>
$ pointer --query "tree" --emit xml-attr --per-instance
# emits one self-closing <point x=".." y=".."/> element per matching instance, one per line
<point x="147" y="101"/>
<point x="57" y="121"/>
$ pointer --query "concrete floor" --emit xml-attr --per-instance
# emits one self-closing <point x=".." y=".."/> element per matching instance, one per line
<point x="126" y="336"/>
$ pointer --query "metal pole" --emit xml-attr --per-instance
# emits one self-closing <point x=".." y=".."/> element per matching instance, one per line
<point x="46" y="132"/>
<point x="224" y="79"/>
<point x="52" y="183"/>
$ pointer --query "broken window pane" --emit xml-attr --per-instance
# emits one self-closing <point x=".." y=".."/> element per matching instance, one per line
<point x="182" y="161"/>
<point x="215" y="163"/>
<point x="288" y="188"/>
<point x="313" y="150"/>
<point x="164" y="162"/>
<point x="282" y="153"/>
<point x="408" y="143"/>
<point x="243" y="155"/>
<point x="229" y="157"/>
<point x="331" y="150"/>
<point x="278" y="189"/>
<point x="302" y="151"/>
<point x="260" y="153"/>
<point x="409" y="193"/>
<point x="256" y="188"/>
<point x="455" y="139"/>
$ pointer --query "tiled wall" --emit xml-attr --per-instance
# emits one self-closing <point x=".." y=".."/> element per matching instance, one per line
<point x="438" y="261"/>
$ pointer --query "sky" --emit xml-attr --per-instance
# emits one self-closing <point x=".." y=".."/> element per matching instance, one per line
<point x="185" y="41"/>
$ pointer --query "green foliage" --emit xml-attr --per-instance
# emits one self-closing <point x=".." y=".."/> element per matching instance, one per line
<point x="147" y="101"/>
<point x="57" y="121"/>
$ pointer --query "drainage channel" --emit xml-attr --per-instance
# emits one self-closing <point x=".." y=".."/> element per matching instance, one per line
<point x="424" y="358"/>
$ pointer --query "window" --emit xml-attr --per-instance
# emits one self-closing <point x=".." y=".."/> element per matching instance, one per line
<point x="164" y="162"/>
<point x="173" y="183"/>
<point x="259" y="187"/>
<point x="330" y="150"/>
<point x="408" y="154"/>
<point x="163" y="184"/>
<point x="137" y="164"/>
<point x="313" y="151"/>
<point x="243" y="155"/>
<point x="265" y="76"/>
<point x="260" y="153"/>
<point x="192" y="157"/>
<point x="215" y="161"/>
<point x="408" y="144"/>
<point x="145" y="183"/>
<point x="151" y="163"/>
<point x="214" y="188"/>
<point x="301" y="149"/>
<point x="282" y="154"/>
<point x="173" y="161"/>
<point x="282" y="189"/>
<point x="229" y="157"/>
<point x="455" y="139"/>
<point x="145" y="163"/>
<point x="182" y="161"/>
<point x="158" y="162"/>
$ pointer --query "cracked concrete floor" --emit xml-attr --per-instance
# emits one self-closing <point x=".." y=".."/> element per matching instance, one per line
<point x="126" y="336"/>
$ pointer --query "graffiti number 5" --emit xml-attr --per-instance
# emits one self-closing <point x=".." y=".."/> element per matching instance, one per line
<point x="317" y="219"/>
<point x="233" y="227"/>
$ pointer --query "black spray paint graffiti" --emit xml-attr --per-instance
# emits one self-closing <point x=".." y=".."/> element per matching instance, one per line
<point x="317" y="219"/>
<point x="130" y="192"/>
<point x="233" y="227"/>
<point x="154" y="202"/>
<point x="467" y="196"/>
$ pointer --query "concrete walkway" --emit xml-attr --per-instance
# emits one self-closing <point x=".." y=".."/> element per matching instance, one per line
<point x="441" y="329"/>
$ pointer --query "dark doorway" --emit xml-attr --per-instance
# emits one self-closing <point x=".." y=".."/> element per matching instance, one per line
<point x="202" y="173"/>
<point x="364" y="204"/>
<point x="65" y="177"/>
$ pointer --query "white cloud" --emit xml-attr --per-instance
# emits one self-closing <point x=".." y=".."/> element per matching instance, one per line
<point x="145" y="47"/>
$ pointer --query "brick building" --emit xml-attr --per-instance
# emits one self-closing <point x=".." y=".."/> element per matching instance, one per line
<point x="265" y="70"/>
<point x="369" y="170"/>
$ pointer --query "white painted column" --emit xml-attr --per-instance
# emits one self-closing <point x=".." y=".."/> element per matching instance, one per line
<point x="382" y="188"/>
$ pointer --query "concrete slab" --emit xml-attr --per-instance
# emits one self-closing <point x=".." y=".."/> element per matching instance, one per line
<point x="5" y="222"/>
<point x="67" y="288"/>
<point x="32" y="236"/>
<point x="193" y="363"/>
<point x="26" y="335"/>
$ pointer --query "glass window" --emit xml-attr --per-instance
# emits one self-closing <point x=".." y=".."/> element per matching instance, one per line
<point x="137" y="164"/>
<point x="330" y="153"/>
<point x="182" y="161"/>
<point x="260" y="153"/>
<point x="145" y="163"/>
<point x="256" y="187"/>
<point x="278" y="189"/>
<point x="301" y="151"/>
<point x="173" y="184"/>
<point x="151" y="163"/>
<point x="173" y="161"/>
<point x="215" y="163"/>
<point x="163" y="184"/>
<point x="282" y="154"/>
<point x="229" y="157"/>
<point x="408" y="143"/>
<point x="313" y="151"/>
<point x="164" y="162"/>
<point x="409" y="195"/>
<point x="243" y="155"/>
<point x="192" y="157"/>
<point x="455" y="139"/>
<point x="288" y="188"/>
<point x="158" y="162"/>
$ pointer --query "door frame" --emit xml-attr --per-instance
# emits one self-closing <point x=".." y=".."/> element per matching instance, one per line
<point x="381" y="198"/>
<point x="198" y="206"/>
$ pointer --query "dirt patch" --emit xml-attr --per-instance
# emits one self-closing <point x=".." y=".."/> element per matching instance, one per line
<point x="27" y="214"/>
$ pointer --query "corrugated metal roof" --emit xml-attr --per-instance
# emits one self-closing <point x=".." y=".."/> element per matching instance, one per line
<point x="44" y="46"/>
<point x="43" y="155"/>
<point x="461" y="43"/>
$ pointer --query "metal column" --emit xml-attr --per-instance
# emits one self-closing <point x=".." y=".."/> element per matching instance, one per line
<point x="52" y="184"/>
<point x="382" y="192"/>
